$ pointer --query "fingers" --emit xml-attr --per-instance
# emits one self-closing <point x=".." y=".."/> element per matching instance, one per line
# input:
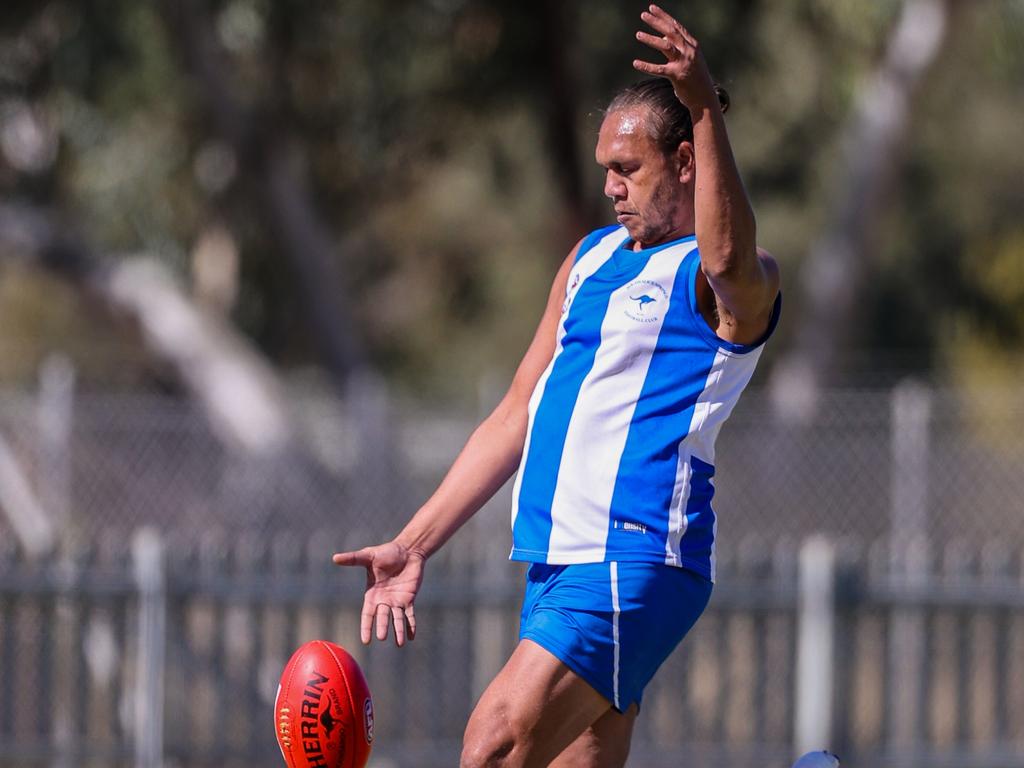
<point x="383" y="615"/>
<point x="366" y="621"/>
<point x="379" y="616"/>
<point x="676" y="43"/>
<point x="657" y="23"/>
<point x="363" y="557"/>
<point x="658" y="43"/>
<point x="398" y="618"/>
<point x="658" y="70"/>
<point x="410" y="617"/>
<point x="662" y="21"/>
<point x="403" y="619"/>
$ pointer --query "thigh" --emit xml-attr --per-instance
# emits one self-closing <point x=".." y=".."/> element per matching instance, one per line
<point x="612" y="623"/>
<point x="531" y="711"/>
<point x="605" y="744"/>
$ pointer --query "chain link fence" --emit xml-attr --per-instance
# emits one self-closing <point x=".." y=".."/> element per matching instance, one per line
<point x="917" y="492"/>
<point x="942" y="462"/>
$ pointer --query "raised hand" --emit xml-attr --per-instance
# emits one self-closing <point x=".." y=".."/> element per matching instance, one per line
<point x="393" y="577"/>
<point x="685" y="67"/>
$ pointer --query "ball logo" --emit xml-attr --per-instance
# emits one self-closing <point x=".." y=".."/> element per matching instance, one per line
<point x="368" y="720"/>
<point x="646" y="300"/>
<point x="328" y="721"/>
<point x="309" y="715"/>
<point x="284" y="724"/>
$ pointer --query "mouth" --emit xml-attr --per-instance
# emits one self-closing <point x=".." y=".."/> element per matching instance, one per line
<point x="623" y="216"/>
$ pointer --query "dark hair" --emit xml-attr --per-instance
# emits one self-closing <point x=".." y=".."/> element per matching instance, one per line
<point x="670" y="123"/>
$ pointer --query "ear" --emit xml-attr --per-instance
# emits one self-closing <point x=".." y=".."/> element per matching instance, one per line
<point x="687" y="162"/>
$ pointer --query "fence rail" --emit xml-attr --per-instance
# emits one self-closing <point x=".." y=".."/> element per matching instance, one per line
<point x="900" y="645"/>
<point x="924" y="673"/>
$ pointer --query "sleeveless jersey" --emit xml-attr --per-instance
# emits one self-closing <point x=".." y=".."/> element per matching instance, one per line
<point x="619" y="459"/>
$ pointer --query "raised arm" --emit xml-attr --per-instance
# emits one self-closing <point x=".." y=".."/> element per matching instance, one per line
<point x="394" y="570"/>
<point x="744" y="279"/>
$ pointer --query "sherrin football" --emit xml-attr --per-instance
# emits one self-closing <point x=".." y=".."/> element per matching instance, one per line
<point x="323" y="715"/>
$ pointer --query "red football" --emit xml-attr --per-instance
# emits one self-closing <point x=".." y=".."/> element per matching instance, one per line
<point x="323" y="715"/>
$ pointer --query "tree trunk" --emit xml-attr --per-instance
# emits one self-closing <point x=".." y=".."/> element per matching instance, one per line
<point x="274" y="184"/>
<point x="835" y="270"/>
<point x="236" y="388"/>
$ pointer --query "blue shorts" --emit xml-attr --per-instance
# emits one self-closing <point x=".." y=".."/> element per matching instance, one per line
<point x="613" y="624"/>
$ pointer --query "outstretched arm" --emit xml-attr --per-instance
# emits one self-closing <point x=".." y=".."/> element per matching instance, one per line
<point x="744" y="279"/>
<point x="492" y="453"/>
<point x="394" y="571"/>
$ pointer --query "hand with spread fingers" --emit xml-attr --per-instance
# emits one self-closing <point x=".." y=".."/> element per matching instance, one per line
<point x="685" y="67"/>
<point x="393" y="577"/>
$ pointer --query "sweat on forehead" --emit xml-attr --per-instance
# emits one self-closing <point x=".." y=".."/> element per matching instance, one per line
<point x="659" y="111"/>
<point x="629" y="121"/>
<point x="632" y="121"/>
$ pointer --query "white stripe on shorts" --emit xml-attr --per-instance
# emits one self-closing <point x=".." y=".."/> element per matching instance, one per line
<point x="615" y="631"/>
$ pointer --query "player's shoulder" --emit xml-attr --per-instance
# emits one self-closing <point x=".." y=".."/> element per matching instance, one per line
<point x="587" y="242"/>
<point x="600" y="232"/>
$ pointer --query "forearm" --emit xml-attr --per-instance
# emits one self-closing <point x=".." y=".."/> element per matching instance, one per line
<point x="493" y="451"/>
<point x="488" y="460"/>
<point x="725" y="225"/>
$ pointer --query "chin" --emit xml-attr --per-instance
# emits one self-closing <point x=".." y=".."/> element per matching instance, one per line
<point x="636" y="232"/>
<point x="644" y="237"/>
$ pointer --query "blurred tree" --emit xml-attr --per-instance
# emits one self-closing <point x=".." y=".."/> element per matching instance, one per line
<point x="239" y="392"/>
<point x="833" y="274"/>
<point x="272" y="179"/>
<point x="396" y="184"/>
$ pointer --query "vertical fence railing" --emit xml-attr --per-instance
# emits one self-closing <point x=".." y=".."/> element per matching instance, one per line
<point x="907" y="652"/>
<point x="64" y="637"/>
<point x="816" y="644"/>
<point x="193" y="647"/>
<point x="150" y="579"/>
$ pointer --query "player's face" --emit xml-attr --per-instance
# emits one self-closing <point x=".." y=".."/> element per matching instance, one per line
<point x="645" y="184"/>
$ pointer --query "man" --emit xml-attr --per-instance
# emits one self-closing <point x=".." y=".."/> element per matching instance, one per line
<point x="641" y="353"/>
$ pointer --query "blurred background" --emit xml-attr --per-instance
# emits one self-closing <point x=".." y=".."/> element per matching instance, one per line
<point x="265" y="263"/>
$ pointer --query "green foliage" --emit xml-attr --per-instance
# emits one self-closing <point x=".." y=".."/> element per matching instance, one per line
<point x="425" y="130"/>
<point x="952" y="270"/>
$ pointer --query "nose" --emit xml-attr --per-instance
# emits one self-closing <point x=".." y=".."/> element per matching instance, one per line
<point x="614" y="187"/>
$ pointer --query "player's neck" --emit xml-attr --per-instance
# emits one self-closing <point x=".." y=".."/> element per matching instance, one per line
<point x="677" y="234"/>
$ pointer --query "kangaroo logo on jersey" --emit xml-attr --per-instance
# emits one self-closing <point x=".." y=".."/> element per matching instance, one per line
<point x="646" y="301"/>
<point x="643" y="300"/>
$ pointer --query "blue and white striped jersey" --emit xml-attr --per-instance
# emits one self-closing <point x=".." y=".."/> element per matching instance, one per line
<point x="619" y="458"/>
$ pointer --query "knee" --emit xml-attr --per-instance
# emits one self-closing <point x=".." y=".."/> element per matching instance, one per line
<point x="488" y="746"/>
<point x="479" y="754"/>
<point x="487" y="753"/>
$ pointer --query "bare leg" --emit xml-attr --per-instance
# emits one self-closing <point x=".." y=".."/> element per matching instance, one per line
<point x="532" y="711"/>
<point x="605" y="744"/>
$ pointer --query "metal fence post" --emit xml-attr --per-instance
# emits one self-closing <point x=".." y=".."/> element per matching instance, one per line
<point x="815" y="662"/>
<point x="908" y="552"/>
<point x="29" y="521"/>
<point x="55" y="417"/>
<point x="148" y="562"/>
<point x="911" y="409"/>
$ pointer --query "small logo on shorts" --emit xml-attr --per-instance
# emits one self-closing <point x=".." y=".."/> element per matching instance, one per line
<point x="629" y="525"/>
